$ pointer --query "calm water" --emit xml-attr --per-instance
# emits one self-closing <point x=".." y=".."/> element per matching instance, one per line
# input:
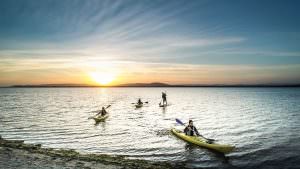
<point x="263" y="123"/>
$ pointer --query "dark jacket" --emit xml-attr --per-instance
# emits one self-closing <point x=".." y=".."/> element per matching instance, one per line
<point x="164" y="96"/>
<point x="139" y="102"/>
<point x="192" y="132"/>
<point x="103" y="112"/>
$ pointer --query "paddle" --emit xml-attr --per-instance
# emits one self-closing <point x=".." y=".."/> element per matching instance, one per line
<point x="98" y="113"/>
<point x="208" y="139"/>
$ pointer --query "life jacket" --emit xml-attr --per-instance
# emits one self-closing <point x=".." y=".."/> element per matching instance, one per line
<point x="190" y="132"/>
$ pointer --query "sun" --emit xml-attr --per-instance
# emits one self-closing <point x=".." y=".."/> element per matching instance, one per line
<point x="102" y="78"/>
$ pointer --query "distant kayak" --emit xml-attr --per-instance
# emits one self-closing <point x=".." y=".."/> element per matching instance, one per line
<point x="200" y="141"/>
<point x="139" y="105"/>
<point x="100" y="118"/>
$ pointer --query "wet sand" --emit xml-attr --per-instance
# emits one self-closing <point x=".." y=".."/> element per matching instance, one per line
<point x="16" y="154"/>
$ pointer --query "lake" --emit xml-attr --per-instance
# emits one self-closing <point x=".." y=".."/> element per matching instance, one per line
<point x="262" y="123"/>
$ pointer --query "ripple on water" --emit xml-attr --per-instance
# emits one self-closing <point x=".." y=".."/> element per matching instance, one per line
<point x="263" y="123"/>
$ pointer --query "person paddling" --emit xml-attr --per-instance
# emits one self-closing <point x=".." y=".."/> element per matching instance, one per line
<point x="191" y="130"/>
<point x="102" y="112"/>
<point x="164" y="98"/>
<point x="139" y="101"/>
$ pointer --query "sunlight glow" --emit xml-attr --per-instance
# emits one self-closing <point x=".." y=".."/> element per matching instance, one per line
<point x="102" y="78"/>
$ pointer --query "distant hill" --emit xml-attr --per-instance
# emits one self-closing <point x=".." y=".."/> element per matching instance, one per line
<point x="158" y="84"/>
<point x="155" y="84"/>
<point x="54" y="85"/>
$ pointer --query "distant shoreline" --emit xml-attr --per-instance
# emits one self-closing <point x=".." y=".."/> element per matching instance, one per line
<point x="145" y="85"/>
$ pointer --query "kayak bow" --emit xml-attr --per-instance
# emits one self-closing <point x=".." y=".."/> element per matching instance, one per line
<point x="100" y="118"/>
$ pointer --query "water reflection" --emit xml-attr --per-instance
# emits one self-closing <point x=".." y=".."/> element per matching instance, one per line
<point x="102" y="124"/>
<point x="164" y="109"/>
<point x="193" y="149"/>
<point x="252" y="119"/>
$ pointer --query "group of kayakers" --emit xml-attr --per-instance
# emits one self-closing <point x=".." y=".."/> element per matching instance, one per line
<point x="164" y="100"/>
<point x="189" y="134"/>
<point x="189" y="130"/>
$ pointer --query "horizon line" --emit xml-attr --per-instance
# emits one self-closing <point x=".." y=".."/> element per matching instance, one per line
<point x="154" y="84"/>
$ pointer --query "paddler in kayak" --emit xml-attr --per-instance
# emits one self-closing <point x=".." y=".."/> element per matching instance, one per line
<point x="139" y="101"/>
<point x="191" y="130"/>
<point x="102" y="112"/>
<point x="164" y="98"/>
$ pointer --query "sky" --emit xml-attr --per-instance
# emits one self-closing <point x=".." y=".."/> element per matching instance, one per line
<point x="143" y="41"/>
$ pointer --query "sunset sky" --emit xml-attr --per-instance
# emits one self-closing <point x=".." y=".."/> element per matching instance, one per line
<point x="177" y="42"/>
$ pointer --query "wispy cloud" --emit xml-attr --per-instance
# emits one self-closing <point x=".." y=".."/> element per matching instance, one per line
<point x="204" y="42"/>
<point x="187" y="41"/>
<point x="149" y="72"/>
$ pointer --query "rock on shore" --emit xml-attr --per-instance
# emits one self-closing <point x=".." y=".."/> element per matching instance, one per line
<point x="17" y="154"/>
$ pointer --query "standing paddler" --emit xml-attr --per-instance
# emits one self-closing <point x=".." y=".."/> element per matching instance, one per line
<point x="164" y="98"/>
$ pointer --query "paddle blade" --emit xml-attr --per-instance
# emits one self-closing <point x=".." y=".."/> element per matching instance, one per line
<point x="108" y="106"/>
<point x="179" y="122"/>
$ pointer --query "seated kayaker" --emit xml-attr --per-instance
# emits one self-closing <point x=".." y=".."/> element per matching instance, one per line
<point x="139" y="101"/>
<point x="191" y="130"/>
<point x="102" y="112"/>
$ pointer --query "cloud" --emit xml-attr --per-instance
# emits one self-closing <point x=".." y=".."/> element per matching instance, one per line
<point x="109" y="30"/>
<point x="176" y="73"/>
<point x="205" y="42"/>
<point x="152" y="38"/>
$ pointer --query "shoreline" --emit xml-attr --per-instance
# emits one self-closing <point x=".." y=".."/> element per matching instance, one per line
<point x="17" y="154"/>
<point x="151" y="85"/>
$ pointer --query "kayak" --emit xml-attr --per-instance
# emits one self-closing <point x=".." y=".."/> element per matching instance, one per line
<point x="100" y="118"/>
<point x="200" y="141"/>
<point x="139" y="105"/>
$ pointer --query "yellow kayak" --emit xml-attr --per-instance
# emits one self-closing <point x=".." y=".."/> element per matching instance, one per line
<point x="200" y="141"/>
<point x="100" y="118"/>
